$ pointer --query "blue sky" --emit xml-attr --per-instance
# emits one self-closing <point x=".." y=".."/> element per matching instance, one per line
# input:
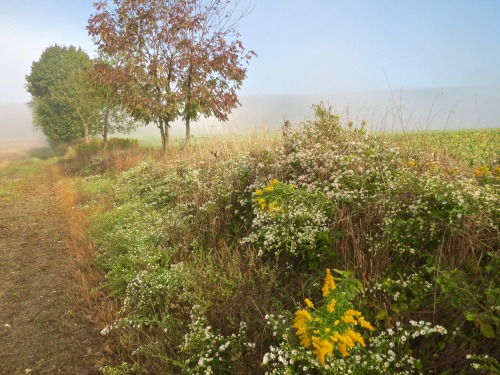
<point x="304" y="47"/>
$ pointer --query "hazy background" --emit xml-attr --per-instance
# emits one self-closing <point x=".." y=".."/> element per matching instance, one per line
<point x="426" y="64"/>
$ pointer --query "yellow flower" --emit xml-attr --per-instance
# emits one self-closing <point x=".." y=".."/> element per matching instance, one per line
<point x="322" y="348"/>
<point x="331" y="305"/>
<point x="329" y="284"/>
<point x="274" y="182"/>
<point x="315" y="331"/>
<point x="303" y="315"/>
<point x="269" y="188"/>
<point x="365" y="324"/>
<point x="273" y="206"/>
<point x="300" y="322"/>
<point x="305" y="342"/>
<point x="352" y="312"/>
<point x="348" y="316"/>
<point x="411" y="163"/>
<point x="342" y="349"/>
<point x="347" y="340"/>
<point x="335" y="337"/>
<point x="349" y="319"/>
<point x="355" y="337"/>
<point x="259" y="192"/>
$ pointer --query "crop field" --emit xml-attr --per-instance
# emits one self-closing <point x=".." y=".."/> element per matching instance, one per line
<point x="321" y="250"/>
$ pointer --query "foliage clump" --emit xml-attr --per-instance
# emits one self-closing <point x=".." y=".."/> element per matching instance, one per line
<point x="211" y="260"/>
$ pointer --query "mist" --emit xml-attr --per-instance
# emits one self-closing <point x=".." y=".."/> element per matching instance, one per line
<point x="390" y="110"/>
<point x="16" y="128"/>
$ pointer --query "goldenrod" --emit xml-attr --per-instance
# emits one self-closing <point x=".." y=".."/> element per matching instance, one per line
<point x="329" y="283"/>
<point x="329" y="327"/>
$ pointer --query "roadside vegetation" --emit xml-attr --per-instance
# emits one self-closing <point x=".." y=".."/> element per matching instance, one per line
<point x="327" y="251"/>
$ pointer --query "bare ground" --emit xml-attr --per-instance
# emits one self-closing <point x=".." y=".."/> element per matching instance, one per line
<point x="43" y="328"/>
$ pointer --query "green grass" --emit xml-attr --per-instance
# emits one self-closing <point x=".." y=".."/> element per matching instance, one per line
<point x="468" y="148"/>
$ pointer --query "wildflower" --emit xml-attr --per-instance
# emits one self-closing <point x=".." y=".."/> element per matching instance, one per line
<point x="411" y="163"/>
<point x="328" y="327"/>
<point x="331" y="305"/>
<point x="355" y="337"/>
<point x="329" y="284"/>
<point x="349" y="319"/>
<point x="273" y="206"/>
<point x="322" y="348"/>
<point x="365" y="324"/>
<point x="309" y="303"/>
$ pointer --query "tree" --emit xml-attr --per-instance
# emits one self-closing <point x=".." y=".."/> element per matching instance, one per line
<point x="214" y="60"/>
<point x="76" y="92"/>
<point x="56" y="69"/>
<point x="174" y="55"/>
<point x="108" y="82"/>
<point x="71" y="100"/>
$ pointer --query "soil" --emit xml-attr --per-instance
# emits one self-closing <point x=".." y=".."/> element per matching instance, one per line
<point x="43" y="329"/>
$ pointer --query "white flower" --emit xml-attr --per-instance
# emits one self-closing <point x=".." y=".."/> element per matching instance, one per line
<point x="265" y="360"/>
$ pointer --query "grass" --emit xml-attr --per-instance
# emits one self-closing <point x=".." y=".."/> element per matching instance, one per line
<point x="190" y="246"/>
<point x="467" y="148"/>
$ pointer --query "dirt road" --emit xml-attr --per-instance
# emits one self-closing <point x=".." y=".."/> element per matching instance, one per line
<point x="42" y="324"/>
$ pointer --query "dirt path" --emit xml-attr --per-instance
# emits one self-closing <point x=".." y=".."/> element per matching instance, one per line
<point x="42" y="330"/>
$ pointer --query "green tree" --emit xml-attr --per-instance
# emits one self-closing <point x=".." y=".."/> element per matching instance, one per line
<point x="49" y="74"/>
<point x="110" y="85"/>
<point x="71" y="97"/>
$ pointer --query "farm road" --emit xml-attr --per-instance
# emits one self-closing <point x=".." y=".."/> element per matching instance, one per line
<point x="42" y="330"/>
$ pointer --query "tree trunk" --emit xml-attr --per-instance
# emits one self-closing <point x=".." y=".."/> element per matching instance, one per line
<point x="86" y="130"/>
<point x="163" y="126"/>
<point x="187" y="142"/>
<point x="86" y="135"/>
<point x="105" y="130"/>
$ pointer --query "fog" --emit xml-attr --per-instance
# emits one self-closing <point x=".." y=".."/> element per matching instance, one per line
<point x="395" y="110"/>
<point x="390" y="110"/>
<point x="16" y="128"/>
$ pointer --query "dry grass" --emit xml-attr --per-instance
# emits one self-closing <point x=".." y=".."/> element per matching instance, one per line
<point x="101" y="308"/>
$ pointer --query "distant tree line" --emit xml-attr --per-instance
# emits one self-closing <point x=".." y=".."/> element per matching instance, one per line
<point x="159" y="61"/>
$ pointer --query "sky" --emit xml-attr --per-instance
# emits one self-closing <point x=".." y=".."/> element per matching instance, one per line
<point x="332" y="50"/>
<point x="304" y="47"/>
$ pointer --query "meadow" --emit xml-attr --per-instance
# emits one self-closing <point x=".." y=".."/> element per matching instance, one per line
<point x="324" y="250"/>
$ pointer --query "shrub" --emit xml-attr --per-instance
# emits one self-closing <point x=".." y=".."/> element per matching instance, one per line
<point x="292" y="225"/>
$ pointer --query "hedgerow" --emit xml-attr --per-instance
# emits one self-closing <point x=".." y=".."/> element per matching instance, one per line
<point x="211" y="261"/>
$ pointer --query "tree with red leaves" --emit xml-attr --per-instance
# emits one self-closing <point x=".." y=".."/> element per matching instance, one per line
<point x="179" y="58"/>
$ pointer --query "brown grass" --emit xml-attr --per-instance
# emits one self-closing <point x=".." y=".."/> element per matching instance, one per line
<point x="101" y="308"/>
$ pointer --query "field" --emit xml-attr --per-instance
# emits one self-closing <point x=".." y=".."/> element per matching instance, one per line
<point x="324" y="250"/>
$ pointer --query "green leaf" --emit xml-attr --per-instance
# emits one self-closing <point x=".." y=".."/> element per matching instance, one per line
<point x="395" y="308"/>
<point x="486" y="330"/>
<point x="382" y="315"/>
